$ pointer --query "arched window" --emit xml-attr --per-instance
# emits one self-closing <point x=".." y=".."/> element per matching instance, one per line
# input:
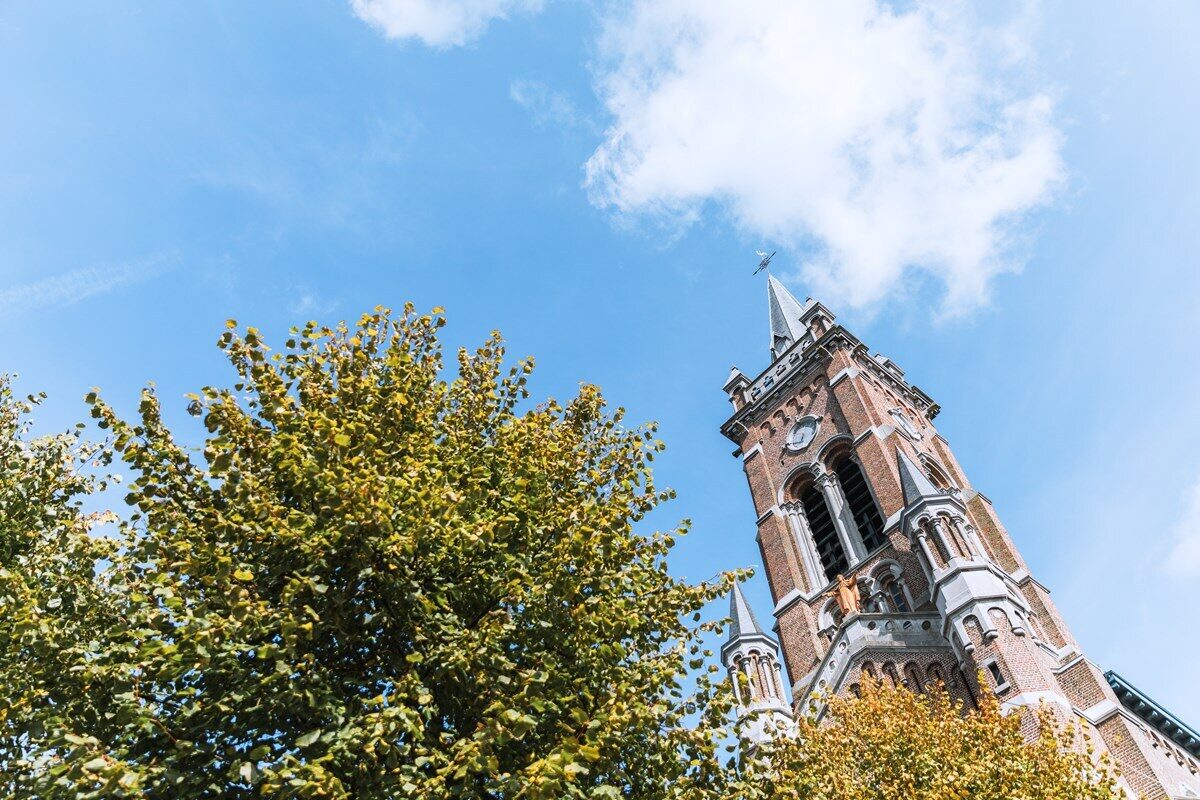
<point x="936" y="678"/>
<point x="889" y="671"/>
<point x="831" y="616"/>
<point x="937" y="475"/>
<point x="861" y="503"/>
<point x="829" y="549"/>
<point x="912" y="677"/>
<point x="893" y="590"/>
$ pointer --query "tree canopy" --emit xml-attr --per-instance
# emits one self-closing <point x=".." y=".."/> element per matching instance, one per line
<point x="892" y="742"/>
<point x="374" y="581"/>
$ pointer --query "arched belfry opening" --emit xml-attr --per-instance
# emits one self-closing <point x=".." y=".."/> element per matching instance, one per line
<point x="821" y="529"/>
<point x="859" y="499"/>
<point x="829" y="549"/>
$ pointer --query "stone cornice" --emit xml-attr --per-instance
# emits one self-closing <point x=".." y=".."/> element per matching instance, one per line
<point x="800" y="361"/>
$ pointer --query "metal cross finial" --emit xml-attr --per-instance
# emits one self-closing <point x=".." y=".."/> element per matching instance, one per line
<point x="765" y="262"/>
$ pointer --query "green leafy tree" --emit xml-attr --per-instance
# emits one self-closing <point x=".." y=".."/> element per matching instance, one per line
<point x="52" y="603"/>
<point x="893" y="743"/>
<point x="374" y="582"/>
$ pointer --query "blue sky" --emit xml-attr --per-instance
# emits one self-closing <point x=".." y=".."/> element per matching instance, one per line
<point x="1004" y="205"/>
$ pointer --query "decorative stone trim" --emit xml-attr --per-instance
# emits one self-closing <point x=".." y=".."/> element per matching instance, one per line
<point x="862" y="632"/>
<point x="848" y="372"/>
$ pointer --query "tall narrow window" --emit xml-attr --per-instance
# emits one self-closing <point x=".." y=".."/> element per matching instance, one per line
<point x="935" y="675"/>
<point x="913" y="678"/>
<point x="997" y="676"/>
<point x="833" y="557"/>
<point x="862" y="505"/>
<point x="895" y="594"/>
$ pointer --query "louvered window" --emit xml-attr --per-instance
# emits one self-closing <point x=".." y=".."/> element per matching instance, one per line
<point x="833" y="558"/>
<point x="862" y="505"/>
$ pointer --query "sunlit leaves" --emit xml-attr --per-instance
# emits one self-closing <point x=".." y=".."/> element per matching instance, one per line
<point x="54" y="606"/>
<point x="375" y="579"/>
<point x="893" y="743"/>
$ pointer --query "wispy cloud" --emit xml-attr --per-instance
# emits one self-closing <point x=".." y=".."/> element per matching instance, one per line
<point x="548" y="107"/>
<point x="303" y="300"/>
<point x="1184" y="558"/>
<point x="873" y="139"/>
<point x="69" y="288"/>
<point x="437" y="23"/>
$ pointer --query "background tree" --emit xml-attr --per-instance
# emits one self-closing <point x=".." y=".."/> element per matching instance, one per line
<point x="52" y="604"/>
<point x="892" y="743"/>
<point x="373" y="582"/>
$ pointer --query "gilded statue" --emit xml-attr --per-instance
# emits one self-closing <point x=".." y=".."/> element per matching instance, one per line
<point x="845" y="591"/>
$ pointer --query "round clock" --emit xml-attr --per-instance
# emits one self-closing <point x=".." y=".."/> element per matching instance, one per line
<point x="903" y="423"/>
<point x="802" y="433"/>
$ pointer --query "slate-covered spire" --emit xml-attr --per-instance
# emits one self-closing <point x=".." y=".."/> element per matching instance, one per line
<point x="744" y="621"/>
<point x="736" y="376"/>
<point x="785" y="312"/>
<point x="913" y="481"/>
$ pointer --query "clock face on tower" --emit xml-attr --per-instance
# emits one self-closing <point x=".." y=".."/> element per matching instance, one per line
<point x="802" y="433"/>
<point x="903" y="423"/>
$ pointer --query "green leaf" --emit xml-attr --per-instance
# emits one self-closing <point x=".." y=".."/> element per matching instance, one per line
<point x="308" y="738"/>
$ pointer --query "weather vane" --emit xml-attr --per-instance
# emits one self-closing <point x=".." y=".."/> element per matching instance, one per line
<point x="766" y="260"/>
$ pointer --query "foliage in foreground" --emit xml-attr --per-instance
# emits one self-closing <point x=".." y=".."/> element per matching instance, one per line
<point x="893" y="743"/>
<point x="52" y="603"/>
<point x="372" y="583"/>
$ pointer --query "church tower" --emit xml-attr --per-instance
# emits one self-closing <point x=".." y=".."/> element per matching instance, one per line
<point x="850" y="479"/>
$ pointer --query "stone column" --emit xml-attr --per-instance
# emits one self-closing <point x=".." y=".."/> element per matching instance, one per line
<point x="931" y="564"/>
<point x="948" y="547"/>
<point x="969" y="534"/>
<point x="847" y="530"/>
<point x="814" y="572"/>
<point x="751" y="669"/>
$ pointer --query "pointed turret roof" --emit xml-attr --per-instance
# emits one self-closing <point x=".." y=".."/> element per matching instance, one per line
<point x="913" y="481"/>
<point x="785" y="312"/>
<point x="744" y="622"/>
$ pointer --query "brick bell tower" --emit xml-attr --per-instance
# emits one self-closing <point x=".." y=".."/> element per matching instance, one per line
<point x="849" y="477"/>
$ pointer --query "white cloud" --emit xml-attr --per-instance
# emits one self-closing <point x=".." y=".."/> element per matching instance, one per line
<point x="869" y="138"/>
<point x="547" y="106"/>
<point x="305" y="301"/>
<point x="437" y="23"/>
<point x="1185" y="553"/>
<point x="72" y="287"/>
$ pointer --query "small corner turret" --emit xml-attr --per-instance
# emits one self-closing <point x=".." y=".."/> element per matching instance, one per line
<point x="752" y="658"/>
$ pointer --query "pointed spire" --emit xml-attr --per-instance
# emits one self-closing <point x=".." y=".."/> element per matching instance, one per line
<point x="913" y="481"/>
<point x="744" y="621"/>
<point x="785" y="312"/>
